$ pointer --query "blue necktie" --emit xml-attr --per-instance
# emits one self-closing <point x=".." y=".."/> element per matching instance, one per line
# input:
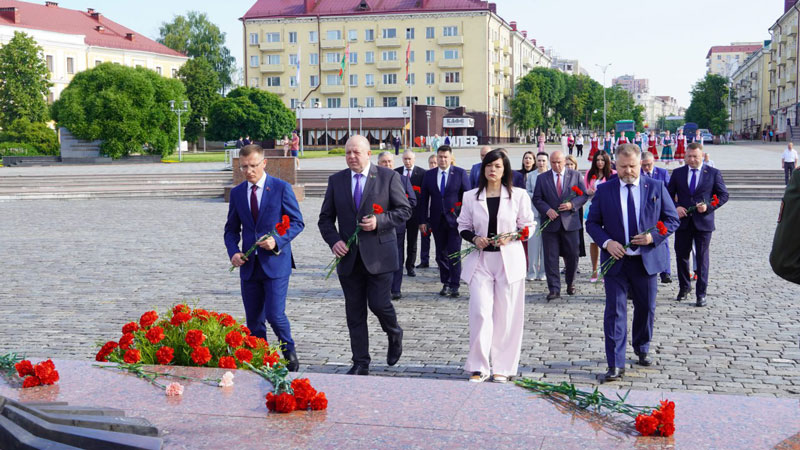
<point x="633" y="229"/>
<point x="693" y="182"/>
<point x="441" y="190"/>
<point x="357" y="191"/>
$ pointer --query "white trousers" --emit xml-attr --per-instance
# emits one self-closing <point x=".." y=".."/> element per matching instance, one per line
<point x="535" y="257"/>
<point x="496" y="318"/>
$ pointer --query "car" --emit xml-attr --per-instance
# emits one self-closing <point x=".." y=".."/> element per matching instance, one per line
<point x="706" y="136"/>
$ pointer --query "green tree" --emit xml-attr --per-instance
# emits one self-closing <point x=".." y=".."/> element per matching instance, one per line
<point x="36" y="134"/>
<point x="249" y="111"/>
<point x="526" y="111"/>
<point x="202" y="88"/>
<point x="196" y="36"/>
<point x="708" y="107"/>
<point x="24" y="81"/>
<point x="128" y="108"/>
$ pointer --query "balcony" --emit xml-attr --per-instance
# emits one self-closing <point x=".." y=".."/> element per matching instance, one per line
<point x="390" y="88"/>
<point x="507" y="71"/>
<point x="331" y="43"/>
<point x="791" y="30"/>
<point x="497" y="45"/>
<point x="389" y="65"/>
<point x="498" y="89"/>
<point x="272" y="68"/>
<point x="271" y="47"/>
<point x="497" y="67"/>
<point x="507" y="92"/>
<point x="506" y="50"/>
<point x="331" y="66"/>
<point x="387" y="42"/>
<point x="277" y="90"/>
<point x="329" y="89"/>
<point x="790" y="53"/>
<point x="792" y="76"/>
<point x="451" y="63"/>
<point x="451" y="87"/>
<point x="782" y="82"/>
<point x="450" y="40"/>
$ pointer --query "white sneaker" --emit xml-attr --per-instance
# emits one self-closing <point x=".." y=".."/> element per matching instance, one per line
<point x="478" y="377"/>
<point x="500" y="379"/>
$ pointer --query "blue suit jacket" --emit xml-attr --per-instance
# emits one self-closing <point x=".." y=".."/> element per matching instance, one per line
<point x="430" y="204"/>
<point x="660" y="174"/>
<point x="605" y="220"/>
<point x="710" y="184"/>
<point x="474" y="174"/>
<point x="278" y="199"/>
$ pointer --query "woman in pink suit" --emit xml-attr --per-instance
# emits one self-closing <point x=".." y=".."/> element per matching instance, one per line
<point x="496" y="273"/>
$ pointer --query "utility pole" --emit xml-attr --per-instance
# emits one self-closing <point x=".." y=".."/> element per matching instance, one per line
<point x="603" y="68"/>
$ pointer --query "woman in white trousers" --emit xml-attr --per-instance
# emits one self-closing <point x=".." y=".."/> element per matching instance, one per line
<point x="495" y="273"/>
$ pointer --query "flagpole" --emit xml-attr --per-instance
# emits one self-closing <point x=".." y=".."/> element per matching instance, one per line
<point x="300" y="90"/>
<point x="349" y="126"/>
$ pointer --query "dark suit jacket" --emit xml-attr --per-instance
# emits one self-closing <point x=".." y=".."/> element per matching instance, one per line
<point x="710" y="184"/>
<point x="417" y="174"/>
<point x="412" y="201"/>
<point x="605" y="220"/>
<point x="785" y="255"/>
<point x="659" y="173"/>
<point x="474" y="173"/>
<point x="277" y="199"/>
<point x="377" y="248"/>
<point x="430" y="206"/>
<point x="545" y="197"/>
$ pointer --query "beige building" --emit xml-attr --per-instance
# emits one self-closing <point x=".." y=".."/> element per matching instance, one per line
<point x="783" y="70"/>
<point x="751" y="95"/>
<point x="73" y="41"/>
<point x="440" y="36"/>
<point x="725" y="59"/>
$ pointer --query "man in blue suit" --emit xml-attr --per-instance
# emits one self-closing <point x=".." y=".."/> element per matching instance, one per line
<point x="441" y="189"/>
<point x="474" y="172"/>
<point x="622" y="210"/>
<point x="256" y="206"/>
<point x="695" y="184"/>
<point x="649" y="169"/>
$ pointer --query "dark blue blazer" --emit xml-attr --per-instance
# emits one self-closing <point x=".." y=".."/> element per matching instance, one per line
<point x="475" y="171"/>
<point x="660" y="174"/>
<point x="710" y="184"/>
<point x="545" y="196"/>
<point x="417" y="174"/>
<point x="412" y="200"/>
<point x="605" y="220"/>
<point x="278" y="199"/>
<point x="430" y="205"/>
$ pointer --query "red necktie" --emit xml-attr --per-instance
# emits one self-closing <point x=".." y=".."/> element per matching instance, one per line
<point x="254" y="203"/>
<point x="558" y="184"/>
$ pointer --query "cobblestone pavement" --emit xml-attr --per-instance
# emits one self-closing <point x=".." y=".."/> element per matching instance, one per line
<point x="73" y="272"/>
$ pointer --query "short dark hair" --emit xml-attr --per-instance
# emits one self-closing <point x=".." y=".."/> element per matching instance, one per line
<point x="249" y="149"/>
<point x="444" y="148"/>
<point x="492" y="156"/>
<point x="543" y="154"/>
<point x="695" y="146"/>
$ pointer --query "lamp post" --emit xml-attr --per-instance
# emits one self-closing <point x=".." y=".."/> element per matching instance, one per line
<point x="360" y="122"/>
<point x="405" y="114"/>
<point x="300" y="113"/>
<point x="604" y="93"/>
<point x="179" y="111"/>
<point x="204" y="122"/>
<point x="428" y="124"/>
<point x="327" y="118"/>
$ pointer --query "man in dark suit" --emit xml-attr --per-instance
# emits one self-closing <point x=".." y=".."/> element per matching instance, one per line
<point x="649" y="169"/>
<point x="256" y="206"/>
<point x="785" y="255"/>
<point x="442" y="188"/>
<point x="622" y="210"/>
<point x="695" y="184"/>
<point x="385" y="159"/>
<point x="425" y="238"/>
<point x="366" y="268"/>
<point x="518" y="179"/>
<point x="554" y="198"/>
<point x="414" y="175"/>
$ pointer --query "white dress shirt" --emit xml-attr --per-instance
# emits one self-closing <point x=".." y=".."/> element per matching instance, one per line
<point x="623" y="198"/>
<point x="407" y="172"/>
<point x="789" y="156"/>
<point x="555" y="180"/>
<point x="697" y="179"/>
<point x="259" y="191"/>
<point x="363" y="180"/>
<point x="439" y="177"/>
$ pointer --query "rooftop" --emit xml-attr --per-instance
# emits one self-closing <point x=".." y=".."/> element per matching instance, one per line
<point x="733" y="49"/>
<point x="295" y="8"/>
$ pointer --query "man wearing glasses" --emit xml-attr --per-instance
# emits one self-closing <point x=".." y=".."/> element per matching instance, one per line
<point x="256" y="206"/>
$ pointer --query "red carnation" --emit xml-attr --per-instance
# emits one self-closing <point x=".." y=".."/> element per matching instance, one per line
<point x="164" y="355"/>
<point x="271" y="358"/>
<point x="148" y="319"/>
<point x="594" y="177"/>
<point x="662" y="229"/>
<point x="132" y="356"/>
<point x="24" y="368"/>
<point x="30" y="382"/>
<point x="46" y="372"/>
<point x="227" y="362"/>
<point x="106" y="350"/>
<point x="303" y="392"/>
<point x="285" y="403"/>
<point x="524" y="234"/>
<point x="244" y="355"/>
<point x="226" y="320"/>
<point x="195" y="338"/>
<point x="245" y="330"/>
<point x="646" y="425"/>
<point x="577" y="190"/>
<point x="714" y="201"/>
<point x="270" y="401"/>
<point x="280" y="229"/>
<point x="155" y="335"/>
<point x="125" y="341"/>
<point x="180" y="308"/>
<point x="377" y="209"/>
<point x="452" y="210"/>
<point x="130" y="327"/>
<point x="285" y="221"/>
<point x="458" y="204"/>
<point x="251" y="341"/>
<point x="416" y="189"/>
<point x="201" y="314"/>
<point x="234" y="339"/>
<point x="319" y="402"/>
<point x="179" y="318"/>
<point x="201" y="356"/>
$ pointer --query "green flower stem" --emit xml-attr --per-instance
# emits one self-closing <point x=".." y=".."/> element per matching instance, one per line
<point x="137" y="370"/>
<point x="276" y="375"/>
<point x="253" y="247"/>
<point x="607" y="264"/>
<point x="8" y="361"/>
<point x="461" y="254"/>
<point x="584" y="399"/>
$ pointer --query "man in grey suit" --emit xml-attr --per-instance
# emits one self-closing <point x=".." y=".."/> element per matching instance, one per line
<point x="366" y="268"/>
<point x="554" y="198"/>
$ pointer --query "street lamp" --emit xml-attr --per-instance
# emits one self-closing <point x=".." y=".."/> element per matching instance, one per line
<point x="360" y="117"/>
<point x="204" y="122"/>
<point x="604" y="93"/>
<point x="299" y="107"/>
<point x="405" y="114"/>
<point x="327" y="137"/>
<point x="179" y="111"/>
<point x="428" y="123"/>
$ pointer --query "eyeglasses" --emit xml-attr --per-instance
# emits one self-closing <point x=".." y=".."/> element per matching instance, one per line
<point x="245" y="167"/>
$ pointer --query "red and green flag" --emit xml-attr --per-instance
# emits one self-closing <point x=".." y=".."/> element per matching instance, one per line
<point x="344" y="61"/>
<point x="408" y="57"/>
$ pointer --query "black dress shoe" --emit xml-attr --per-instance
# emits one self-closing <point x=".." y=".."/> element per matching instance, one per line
<point x="293" y="364"/>
<point x="683" y="293"/>
<point x="444" y="291"/>
<point x="613" y="374"/>
<point x="453" y="293"/>
<point x="395" y="348"/>
<point x="665" y="278"/>
<point x="644" y="360"/>
<point x="701" y="301"/>
<point x="423" y="266"/>
<point x="553" y="295"/>
<point x="396" y="295"/>
<point x="358" y="369"/>
<point x="412" y="272"/>
<point x="570" y="290"/>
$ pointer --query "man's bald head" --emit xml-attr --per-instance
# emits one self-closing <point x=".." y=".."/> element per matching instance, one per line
<point x="557" y="160"/>
<point x="357" y="153"/>
<point x="484" y="150"/>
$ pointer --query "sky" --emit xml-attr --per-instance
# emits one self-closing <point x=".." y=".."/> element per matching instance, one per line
<point x="664" y="41"/>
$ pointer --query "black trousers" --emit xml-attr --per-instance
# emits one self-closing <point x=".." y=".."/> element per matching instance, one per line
<point x="564" y="243"/>
<point x="683" y="248"/>
<point x="364" y="290"/>
<point x="412" y="231"/>
<point x="579" y="148"/>
<point x="788" y="168"/>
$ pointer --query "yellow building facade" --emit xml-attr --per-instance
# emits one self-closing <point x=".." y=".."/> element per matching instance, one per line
<point x="751" y="95"/>
<point x="783" y="71"/>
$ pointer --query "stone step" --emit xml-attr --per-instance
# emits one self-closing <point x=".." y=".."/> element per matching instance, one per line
<point x="132" y="192"/>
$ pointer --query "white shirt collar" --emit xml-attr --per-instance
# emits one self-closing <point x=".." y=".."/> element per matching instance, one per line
<point x="699" y="169"/>
<point x="635" y="183"/>
<point x="447" y="171"/>
<point x="363" y="172"/>
<point x="259" y="183"/>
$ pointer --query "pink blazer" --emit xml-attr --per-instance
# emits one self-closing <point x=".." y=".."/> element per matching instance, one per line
<point x="511" y="216"/>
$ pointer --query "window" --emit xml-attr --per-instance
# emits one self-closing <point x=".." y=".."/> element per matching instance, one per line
<point x="429" y="33"/>
<point x="369" y="102"/>
<point x="353" y="58"/>
<point x="315" y="102"/>
<point x="272" y="37"/>
<point x="429" y="55"/>
<point x="409" y="33"/>
<point x="313" y="80"/>
<point x="175" y="75"/>
<point x="49" y="62"/>
<point x="253" y="82"/>
<point x="369" y="35"/>
<point x="333" y="80"/>
<point x="294" y="102"/>
<point x="293" y="59"/>
<point x="254" y="61"/>
<point x="293" y="81"/>
<point x="369" y="80"/>
<point x="352" y="35"/>
<point x="411" y="78"/>
<point x="450" y="31"/>
<point x="411" y="56"/>
<point x="452" y="77"/>
<point x="430" y="78"/>
<point x="353" y="80"/>
<point x="451" y="101"/>
<point x="313" y="59"/>
<point x="332" y="57"/>
<point x="389" y="101"/>
<point x="70" y="65"/>
<point x="97" y="62"/>
<point x="293" y="37"/>
<point x="333" y="35"/>
<point x="253" y="38"/>
<point x="390" y="78"/>
<point x="430" y="101"/>
<point x="313" y="37"/>
<point x="273" y="59"/>
<point x="390" y="55"/>
<point x="408" y="101"/>
<point x="334" y="102"/>
<point x="353" y="102"/>
<point x="369" y="57"/>
<point x="158" y="69"/>
<point x="273" y="81"/>
<point x="389" y="33"/>
<point x="451" y="54"/>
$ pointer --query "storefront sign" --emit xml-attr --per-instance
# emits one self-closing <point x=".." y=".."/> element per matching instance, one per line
<point x="458" y="122"/>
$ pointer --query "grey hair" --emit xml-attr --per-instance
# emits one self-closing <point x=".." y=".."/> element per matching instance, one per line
<point x="647" y="156"/>
<point x="628" y="150"/>
<point x="382" y="154"/>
